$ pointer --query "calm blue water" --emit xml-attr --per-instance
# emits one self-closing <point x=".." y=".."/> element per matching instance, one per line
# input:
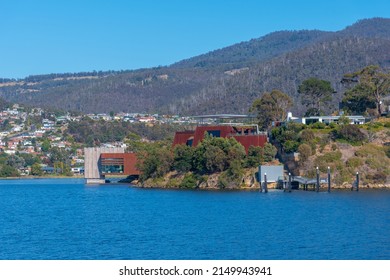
<point x="65" y="219"/>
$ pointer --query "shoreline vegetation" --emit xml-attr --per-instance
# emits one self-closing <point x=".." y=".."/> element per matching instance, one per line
<point x="212" y="184"/>
<point x="249" y="183"/>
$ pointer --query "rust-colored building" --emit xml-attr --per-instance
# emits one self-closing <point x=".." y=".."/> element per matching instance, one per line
<point x="102" y="161"/>
<point x="247" y="135"/>
<point x="119" y="163"/>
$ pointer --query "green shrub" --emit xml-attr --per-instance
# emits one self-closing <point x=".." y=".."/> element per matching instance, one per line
<point x="290" y="146"/>
<point x="269" y="152"/>
<point x="331" y="159"/>
<point x="370" y="150"/>
<point x="352" y="134"/>
<point x="189" y="181"/>
<point x="255" y="156"/>
<point x="183" y="158"/>
<point x="318" y="125"/>
<point x="173" y="182"/>
<point x="307" y="135"/>
<point x="354" y="162"/>
<point x="304" y="152"/>
<point x="378" y="177"/>
<point x="8" y="171"/>
<point x="332" y="156"/>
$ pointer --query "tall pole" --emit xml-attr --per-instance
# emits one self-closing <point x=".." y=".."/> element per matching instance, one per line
<point x="318" y="180"/>
<point x="357" y="181"/>
<point x="259" y="174"/>
<point x="289" y="182"/>
<point x="265" y="183"/>
<point x="329" y="179"/>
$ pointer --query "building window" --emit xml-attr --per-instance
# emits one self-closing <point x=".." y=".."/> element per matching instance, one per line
<point x="112" y="165"/>
<point x="214" y="133"/>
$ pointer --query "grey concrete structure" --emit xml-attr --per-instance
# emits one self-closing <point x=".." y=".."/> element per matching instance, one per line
<point x="92" y="167"/>
<point x="274" y="173"/>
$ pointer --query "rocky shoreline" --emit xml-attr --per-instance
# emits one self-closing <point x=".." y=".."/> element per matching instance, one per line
<point x="248" y="182"/>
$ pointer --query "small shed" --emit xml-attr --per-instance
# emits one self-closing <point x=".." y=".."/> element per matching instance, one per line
<point x="274" y="173"/>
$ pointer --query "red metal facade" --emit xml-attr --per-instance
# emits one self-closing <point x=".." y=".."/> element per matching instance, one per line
<point x="251" y="140"/>
<point x="129" y="161"/>
<point x="181" y="137"/>
<point x="243" y="135"/>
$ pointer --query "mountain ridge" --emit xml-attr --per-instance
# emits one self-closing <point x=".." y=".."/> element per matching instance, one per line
<point x="225" y="80"/>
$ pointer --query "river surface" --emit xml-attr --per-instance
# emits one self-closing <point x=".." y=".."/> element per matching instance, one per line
<point x="66" y="219"/>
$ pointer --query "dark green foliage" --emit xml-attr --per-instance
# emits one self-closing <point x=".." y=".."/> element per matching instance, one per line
<point x="189" y="181"/>
<point x="318" y="125"/>
<point x="315" y="93"/>
<point x="290" y="146"/>
<point x="215" y="154"/>
<point x="235" y="170"/>
<point x="373" y="83"/>
<point x="36" y="169"/>
<point x="45" y="145"/>
<point x="269" y="152"/>
<point x="155" y="161"/>
<point x="183" y="158"/>
<point x="29" y="159"/>
<point x="288" y="136"/>
<point x="8" y="171"/>
<point x="255" y="156"/>
<point x="15" y="161"/>
<point x="351" y="133"/>
<point x="358" y="99"/>
<point x="271" y="107"/>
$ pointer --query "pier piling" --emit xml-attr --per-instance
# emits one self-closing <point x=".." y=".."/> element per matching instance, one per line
<point x="329" y="184"/>
<point x="265" y="183"/>
<point x="289" y="182"/>
<point x="357" y="181"/>
<point x="318" y="180"/>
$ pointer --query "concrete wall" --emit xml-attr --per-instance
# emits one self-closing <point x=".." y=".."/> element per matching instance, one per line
<point x="92" y="157"/>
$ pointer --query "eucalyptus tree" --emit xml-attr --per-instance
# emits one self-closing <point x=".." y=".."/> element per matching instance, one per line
<point x="315" y="94"/>
<point x="372" y="82"/>
<point x="272" y="106"/>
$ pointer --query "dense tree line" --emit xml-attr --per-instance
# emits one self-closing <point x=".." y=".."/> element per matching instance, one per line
<point x="93" y="133"/>
<point x="211" y="155"/>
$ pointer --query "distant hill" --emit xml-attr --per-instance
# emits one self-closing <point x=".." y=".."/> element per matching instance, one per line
<point x="222" y="81"/>
<point x="254" y="51"/>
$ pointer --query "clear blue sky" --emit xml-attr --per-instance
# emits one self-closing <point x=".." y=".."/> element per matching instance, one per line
<point x="47" y="36"/>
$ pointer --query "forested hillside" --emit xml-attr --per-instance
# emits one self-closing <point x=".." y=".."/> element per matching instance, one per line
<point x="221" y="81"/>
